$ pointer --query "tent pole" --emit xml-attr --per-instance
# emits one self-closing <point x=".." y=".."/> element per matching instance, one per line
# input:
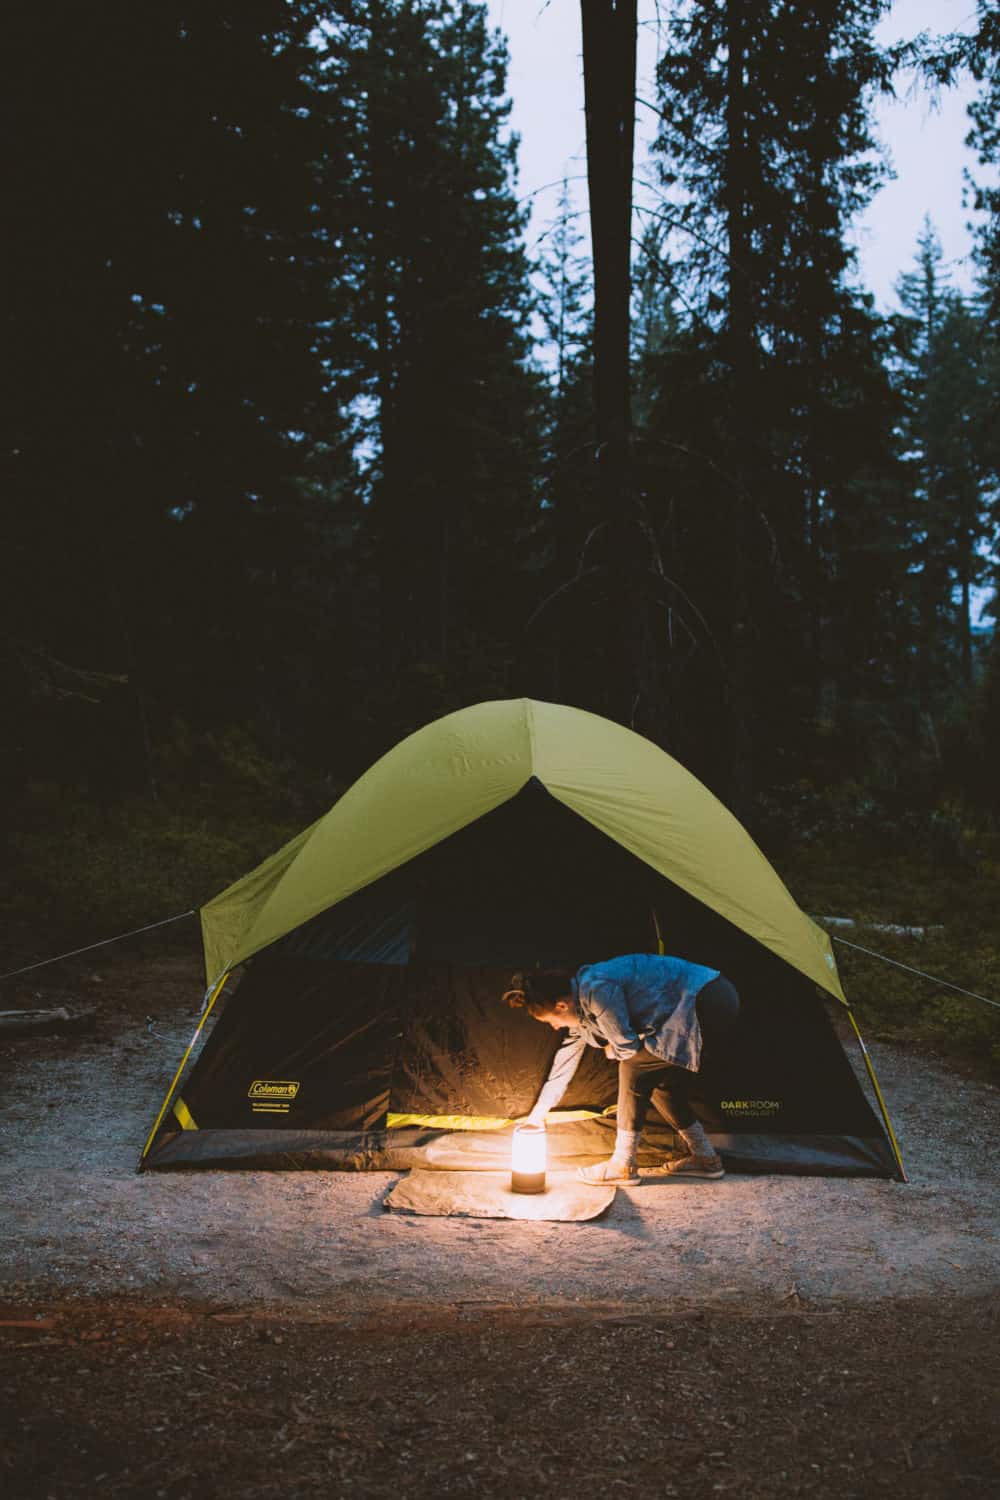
<point x="213" y="996"/>
<point x="878" y="1094"/>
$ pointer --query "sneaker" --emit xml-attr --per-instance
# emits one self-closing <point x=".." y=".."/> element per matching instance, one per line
<point x="695" y="1166"/>
<point x="608" y="1173"/>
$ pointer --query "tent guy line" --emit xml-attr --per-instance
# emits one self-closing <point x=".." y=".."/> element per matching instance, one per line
<point x="121" y="936"/>
<point x="194" y="912"/>
<point x="910" y="970"/>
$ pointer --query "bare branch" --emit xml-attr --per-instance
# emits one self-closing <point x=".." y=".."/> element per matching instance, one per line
<point x="563" y="588"/>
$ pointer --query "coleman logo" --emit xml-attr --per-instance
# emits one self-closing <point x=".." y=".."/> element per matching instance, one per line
<point x="270" y="1088"/>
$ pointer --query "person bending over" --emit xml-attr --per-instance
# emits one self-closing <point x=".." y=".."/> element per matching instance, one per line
<point x="651" y="1013"/>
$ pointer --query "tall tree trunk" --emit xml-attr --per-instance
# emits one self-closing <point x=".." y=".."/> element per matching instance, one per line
<point x="609" y="43"/>
<point x="965" y="617"/>
<point x="391" y="601"/>
<point x="447" y="523"/>
<point x="740" y="337"/>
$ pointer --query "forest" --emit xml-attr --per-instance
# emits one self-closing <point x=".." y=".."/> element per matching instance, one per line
<point x="299" y="450"/>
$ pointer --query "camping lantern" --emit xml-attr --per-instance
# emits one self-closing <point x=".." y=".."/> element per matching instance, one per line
<point x="528" y="1159"/>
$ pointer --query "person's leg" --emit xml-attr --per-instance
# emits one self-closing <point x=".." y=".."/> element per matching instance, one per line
<point x="718" y="1006"/>
<point x="670" y="1099"/>
<point x="637" y="1076"/>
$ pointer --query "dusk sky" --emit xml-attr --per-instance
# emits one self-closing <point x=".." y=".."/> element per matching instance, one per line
<point x="924" y="135"/>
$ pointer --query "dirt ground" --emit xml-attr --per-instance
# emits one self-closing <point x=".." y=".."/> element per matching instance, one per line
<point x="270" y="1334"/>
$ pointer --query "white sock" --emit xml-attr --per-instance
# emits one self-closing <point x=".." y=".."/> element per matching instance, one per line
<point x="696" y="1140"/>
<point x="626" y="1147"/>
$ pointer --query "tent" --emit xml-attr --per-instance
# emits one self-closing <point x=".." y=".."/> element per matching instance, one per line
<point x="366" y="1029"/>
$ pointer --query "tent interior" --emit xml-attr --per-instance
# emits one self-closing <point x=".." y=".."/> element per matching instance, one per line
<point x="374" y="1036"/>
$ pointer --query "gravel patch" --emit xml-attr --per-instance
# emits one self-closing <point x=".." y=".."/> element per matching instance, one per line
<point x="80" y="1221"/>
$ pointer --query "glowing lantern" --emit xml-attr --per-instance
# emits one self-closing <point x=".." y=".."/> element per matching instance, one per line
<point x="528" y="1159"/>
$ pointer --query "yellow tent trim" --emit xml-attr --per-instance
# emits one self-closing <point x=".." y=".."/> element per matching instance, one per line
<point x="213" y="996"/>
<point x="487" y="1122"/>
<point x="449" y="1122"/>
<point x="184" y="1116"/>
<point x="878" y="1094"/>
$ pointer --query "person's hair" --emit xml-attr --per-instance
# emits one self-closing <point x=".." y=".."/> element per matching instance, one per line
<point x="537" y="991"/>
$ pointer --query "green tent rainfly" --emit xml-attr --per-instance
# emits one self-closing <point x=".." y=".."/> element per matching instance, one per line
<point x="451" y="772"/>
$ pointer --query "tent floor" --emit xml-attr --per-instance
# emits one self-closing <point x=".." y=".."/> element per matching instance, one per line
<point x="571" y="1143"/>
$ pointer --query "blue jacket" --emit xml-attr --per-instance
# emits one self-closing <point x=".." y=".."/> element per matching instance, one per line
<point x="641" y="1000"/>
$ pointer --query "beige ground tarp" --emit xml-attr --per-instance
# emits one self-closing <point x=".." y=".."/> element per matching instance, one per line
<point x="487" y="1195"/>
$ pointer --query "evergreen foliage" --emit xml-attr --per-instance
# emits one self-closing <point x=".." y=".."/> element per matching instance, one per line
<point x="942" y="381"/>
<point x="982" y="56"/>
<point x="299" y="446"/>
<point x="446" y="406"/>
<point x="783" y="478"/>
<point x="165" y="281"/>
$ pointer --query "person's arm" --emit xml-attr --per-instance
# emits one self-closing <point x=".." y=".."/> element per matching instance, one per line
<point x="609" y="1013"/>
<point x="561" y="1074"/>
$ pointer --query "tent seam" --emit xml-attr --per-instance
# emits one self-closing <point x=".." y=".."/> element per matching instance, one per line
<point x="529" y="719"/>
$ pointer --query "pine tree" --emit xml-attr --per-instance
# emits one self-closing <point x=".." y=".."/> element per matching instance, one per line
<point x="766" y="153"/>
<point x="942" y="378"/>
<point x="447" y="404"/>
<point x="563" y="270"/>
<point x="165" y="367"/>
<point x="981" y="53"/>
<point x="559" y="561"/>
<point x="978" y="53"/>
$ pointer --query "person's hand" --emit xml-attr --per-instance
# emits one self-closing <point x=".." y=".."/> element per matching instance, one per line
<point x="609" y="1051"/>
